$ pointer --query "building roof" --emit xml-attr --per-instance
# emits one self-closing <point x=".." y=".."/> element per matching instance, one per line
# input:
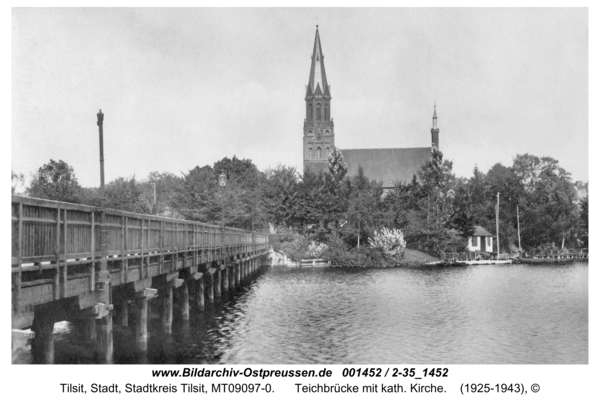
<point x="317" y="81"/>
<point x="387" y="165"/>
<point x="480" y="231"/>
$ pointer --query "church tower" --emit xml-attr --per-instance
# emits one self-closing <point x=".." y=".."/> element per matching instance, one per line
<point x="435" y="132"/>
<point x="318" y="125"/>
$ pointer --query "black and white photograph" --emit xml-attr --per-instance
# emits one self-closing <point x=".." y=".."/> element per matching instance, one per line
<point x="342" y="187"/>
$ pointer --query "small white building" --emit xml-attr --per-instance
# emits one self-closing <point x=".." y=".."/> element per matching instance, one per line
<point x="481" y="241"/>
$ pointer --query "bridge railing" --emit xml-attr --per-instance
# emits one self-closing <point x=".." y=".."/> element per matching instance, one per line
<point x="51" y="231"/>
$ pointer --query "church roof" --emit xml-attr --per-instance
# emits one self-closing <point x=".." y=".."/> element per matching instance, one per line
<point x="317" y="78"/>
<point x="387" y="165"/>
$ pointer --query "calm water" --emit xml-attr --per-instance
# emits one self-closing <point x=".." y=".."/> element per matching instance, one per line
<point x="473" y="315"/>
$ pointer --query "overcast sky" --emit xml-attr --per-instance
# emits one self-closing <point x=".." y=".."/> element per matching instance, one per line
<point x="187" y="87"/>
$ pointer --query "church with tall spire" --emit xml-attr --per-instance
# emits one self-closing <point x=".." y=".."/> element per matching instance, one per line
<point x="389" y="166"/>
<point x="318" y="125"/>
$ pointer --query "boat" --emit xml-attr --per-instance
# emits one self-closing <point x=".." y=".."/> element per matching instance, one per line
<point x="481" y="262"/>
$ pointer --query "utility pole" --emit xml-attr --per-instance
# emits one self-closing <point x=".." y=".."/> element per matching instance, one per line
<point x="154" y="209"/>
<point x="103" y="288"/>
<point x="103" y="275"/>
<point x="222" y="184"/>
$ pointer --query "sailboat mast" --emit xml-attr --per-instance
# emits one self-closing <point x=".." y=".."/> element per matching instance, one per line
<point x="497" y="225"/>
<point x="518" y="229"/>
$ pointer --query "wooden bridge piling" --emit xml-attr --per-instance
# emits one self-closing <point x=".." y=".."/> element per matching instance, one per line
<point x="199" y="284"/>
<point x="185" y="301"/>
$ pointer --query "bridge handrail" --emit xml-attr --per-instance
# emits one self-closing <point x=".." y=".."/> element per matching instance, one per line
<point x="47" y="230"/>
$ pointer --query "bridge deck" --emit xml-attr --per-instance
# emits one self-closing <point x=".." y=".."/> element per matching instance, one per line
<point x="56" y="250"/>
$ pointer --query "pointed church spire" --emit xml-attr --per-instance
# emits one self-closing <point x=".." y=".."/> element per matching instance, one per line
<point x="317" y="82"/>
<point x="435" y="132"/>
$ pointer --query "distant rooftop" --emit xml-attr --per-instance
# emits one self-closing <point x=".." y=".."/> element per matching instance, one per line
<point x="387" y="165"/>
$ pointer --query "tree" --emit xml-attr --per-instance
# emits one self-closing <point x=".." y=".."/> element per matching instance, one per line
<point x="17" y="182"/>
<point x="280" y="195"/>
<point x="503" y="180"/>
<point x="584" y="222"/>
<point x="167" y="186"/>
<point x="550" y="213"/>
<point x="125" y="194"/>
<point x="437" y="180"/>
<point x="55" y="181"/>
<point x="432" y="232"/>
<point x="363" y="213"/>
<point x="243" y="192"/>
<point x="337" y="166"/>
<point x="198" y="197"/>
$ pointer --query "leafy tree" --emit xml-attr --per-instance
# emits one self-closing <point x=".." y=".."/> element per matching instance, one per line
<point x="280" y="195"/>
<point x="363" y="213"/>
<point x="237" y="204"/>
<point x="167" y="187"/>
<point x="437" y="180"/>
<point x="584" y="222"/>
<point x="197" y="199"/>
<point x="337" y="166"/>
<point x="55" y="181"/>
<point x="17" y="182"/>
<point x="503" y="181"/>
<point x="550" y="213"/>
<point x="242" y="193"/>
<point x="430" y="220"/>
<point x="125" y="194"/>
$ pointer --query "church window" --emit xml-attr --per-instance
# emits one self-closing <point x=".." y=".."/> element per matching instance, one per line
<point x="327" y="132"/>
<point x="310" y="133"/>
<point x="310" y="153"/>
<point x="319" y="153"/>
<point x="326" y="112"/>
<point x="310" y="113"/>
<point x="327" y="152"/>
<point x="318" y="112"/>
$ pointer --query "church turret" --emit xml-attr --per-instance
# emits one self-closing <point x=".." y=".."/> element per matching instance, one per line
<point x="318" y="125"/>
<point x="435" y="132"/>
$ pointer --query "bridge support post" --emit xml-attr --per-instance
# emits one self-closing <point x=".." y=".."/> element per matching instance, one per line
<point x="217" y="283"/>
<point x="87" y="328"/>
<point x="238" y="275"/>
<point x="232" y="276"/>
<point x="166" y="314"/>
<point x="185" y="301"/>
<point x="122" y="313"/>
<point x="140" y="305"/>
<point x="199" y="291"/>
<point x="225" y="278"/>
<point x="104" y="340"/>
<point x="42" y="346"/>
<point x="210" y="287"/>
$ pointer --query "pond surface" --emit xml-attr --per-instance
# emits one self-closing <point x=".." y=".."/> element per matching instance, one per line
<point x="506" y="314"/>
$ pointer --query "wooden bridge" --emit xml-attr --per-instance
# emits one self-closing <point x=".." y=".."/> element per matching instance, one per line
<point x="59" y="271"/>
